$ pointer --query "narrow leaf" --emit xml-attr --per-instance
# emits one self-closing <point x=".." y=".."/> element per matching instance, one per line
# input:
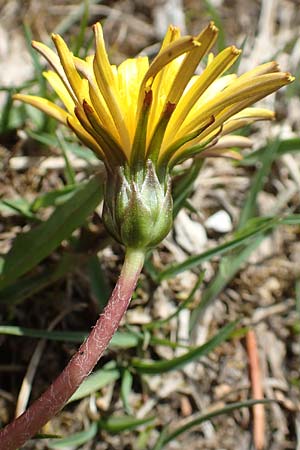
<point x="76" y="439"/>
<point x="240" y="238"/>
<point x="124" y="423"/>
<point x="284" y="146"/>
<point x="126" y="387"/>
<point x="69" y="171"/>
<point x="98" y="281"/>
<point x="53" y="198"/>
<point x="175" y="363"/>
<point x="33" y="283"/>
<point x="96" y="381"/>
<point x="74" y="147"/>
<point x="210" y="415"/>
<point x="120" y="339"/>
<point x="30" y="248"/>
<point x="227" y="270"/>
<point x="17" y="205"/>
<point x="184" y="186"/>
<point x="249" y="209"/>
<point x="183" y="305"/>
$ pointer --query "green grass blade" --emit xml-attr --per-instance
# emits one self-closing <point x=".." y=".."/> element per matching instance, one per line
<point x="96" y="381"/>
<point x="30" y="248"/>
<point x="183" y="305"/>
<point x="284" y="146"/>
<point x="86" y="154"/>
<point x="236" y="65"/>
<point x="38" y="68"/>
<point x="76" y="439"/>
<point x="297" y="296"/>
<point x="30" y="285"/>
<point x="120" y="339"/>
<point x="43" y="138"/>
<point x="249" y="209"/>
<point x="79" y="42"/>
<point x="53" y="198"/>
<point x="231" y="265"/>
<point x="124" y="339"/>
<point x="64" y="336"/>
<point x="50" y="140"/>
<point x="243" y="236"/>
<point x="161" y="439"/>
<point x="126" y="386"/>
<point x="228" y="268"/>
<point x="6" y="112"/>
<point x="124" y="423"/>
<point x="74" y="17"/>
<point x="18" y="205"/>
<point x="166" y="343"/>
<point x="98" y="281"/>
<point x="69" y="171"/>
<point x="151" y="270"/>
<point x="196" y="353"/>
<point x="296" y="322"/>
<point x="292" y="219"/>
<point x="184" y="186"/>
<point x="225" y="410"/>
<point x="214" y="14"/>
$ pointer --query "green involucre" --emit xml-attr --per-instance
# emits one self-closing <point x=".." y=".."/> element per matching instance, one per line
<point x="137" y="209"/>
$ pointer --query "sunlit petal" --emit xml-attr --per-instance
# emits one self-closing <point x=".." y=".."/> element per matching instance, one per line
<point x="108" y="83"/>
<point x="78" y="85"/>
<point x="218" y="66"/>
<point x="55" y="81"/>
<point x="49" y="108"/>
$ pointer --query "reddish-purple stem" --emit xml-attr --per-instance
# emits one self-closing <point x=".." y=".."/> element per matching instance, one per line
<point x="54" y="398"/>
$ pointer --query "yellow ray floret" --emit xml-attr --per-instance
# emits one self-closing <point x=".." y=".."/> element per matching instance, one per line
<point x="159" y="110"/>
<point x="44" y="105"/>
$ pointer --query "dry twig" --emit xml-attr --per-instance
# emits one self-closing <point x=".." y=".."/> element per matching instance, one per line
<point x="257" y="391"/>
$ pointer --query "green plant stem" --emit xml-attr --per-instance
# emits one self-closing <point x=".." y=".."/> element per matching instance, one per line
<point x="15" y="434"/>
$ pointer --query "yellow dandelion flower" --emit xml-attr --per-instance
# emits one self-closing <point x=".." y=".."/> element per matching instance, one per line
<point x="181" y="113"/>
<point x="157" y="114"/>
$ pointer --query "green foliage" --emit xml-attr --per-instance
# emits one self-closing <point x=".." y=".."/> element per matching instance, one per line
<point x="283" y="146"/>
<point x="23" y="274"/>
<point x="116" y="424"/>
<point x="76" y="439"/>
<point x="158" y="367"/>
<point x="126" y="388"/>
<point x="96" y="381"/>
<point x="168" y="437"/>
<point x="120" y="339"/>
<point x="32" y="247"/>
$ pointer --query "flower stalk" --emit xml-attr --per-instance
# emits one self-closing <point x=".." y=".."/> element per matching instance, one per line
<point x="15" y="434"/>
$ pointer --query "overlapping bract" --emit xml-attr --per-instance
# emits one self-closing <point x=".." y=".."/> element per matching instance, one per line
<point x="159" y="111"/>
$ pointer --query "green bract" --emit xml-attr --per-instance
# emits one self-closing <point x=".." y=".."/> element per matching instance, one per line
<point x="138" y="207"/>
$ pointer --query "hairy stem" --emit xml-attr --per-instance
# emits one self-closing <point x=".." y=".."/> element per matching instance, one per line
<point x="54" y="398"/>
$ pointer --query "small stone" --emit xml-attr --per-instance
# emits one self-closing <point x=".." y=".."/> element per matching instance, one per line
<point x="220" y="222"/>
<point x="190" y="235"/>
